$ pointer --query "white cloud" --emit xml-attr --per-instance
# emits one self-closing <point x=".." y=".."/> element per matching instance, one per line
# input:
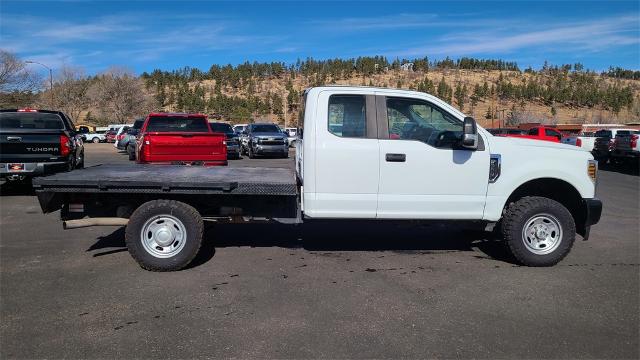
<point x="596" y="35"/>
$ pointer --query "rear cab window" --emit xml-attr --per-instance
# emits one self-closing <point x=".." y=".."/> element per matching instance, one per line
<point x="625" y="132"/>
<point x="177" y="124"/>
<point x="549" y="132"/>
<point x="347" y="116"/>
<point x="30" y="120"/>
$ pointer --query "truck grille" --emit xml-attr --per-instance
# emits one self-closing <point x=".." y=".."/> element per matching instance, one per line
<point x="272" y="142"/>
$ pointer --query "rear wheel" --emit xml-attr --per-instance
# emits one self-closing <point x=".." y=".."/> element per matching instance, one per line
<point x="164" y="235"/>
<point x="80" y="161"/>
<point x="132" y="154"/>
<point x="251" y="154"/>
<point x="95" y="140"/>
<point x="538" y="231"/>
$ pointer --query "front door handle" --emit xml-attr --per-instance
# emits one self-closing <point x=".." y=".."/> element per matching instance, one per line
<point x="14" y="138"/>
<point x="396" y="157"/>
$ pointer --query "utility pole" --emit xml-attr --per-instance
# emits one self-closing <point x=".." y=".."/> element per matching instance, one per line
<point x="50" y="79"/>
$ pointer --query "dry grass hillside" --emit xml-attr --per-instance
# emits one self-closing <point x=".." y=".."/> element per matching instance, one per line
<point x="528" y="111"/>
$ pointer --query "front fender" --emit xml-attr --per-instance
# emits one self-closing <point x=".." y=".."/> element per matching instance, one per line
<point x="524" y="164"/>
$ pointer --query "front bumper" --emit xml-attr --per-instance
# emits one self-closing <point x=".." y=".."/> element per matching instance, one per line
<point x="233" y="150"/>
<point x="270" y="149"/>
<point x="592" y="213"/>
<point x="34" y="169"/>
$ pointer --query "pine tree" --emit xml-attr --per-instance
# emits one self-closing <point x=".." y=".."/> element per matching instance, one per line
<point x="460" y="94"/>
<point x="488" y="114"/>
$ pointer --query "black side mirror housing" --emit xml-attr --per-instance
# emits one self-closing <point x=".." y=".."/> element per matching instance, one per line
<point x="469" y="134"/>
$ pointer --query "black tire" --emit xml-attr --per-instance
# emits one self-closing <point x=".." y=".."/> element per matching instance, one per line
<point x="189" y="218"/>
<point x="80" y="164"/>
<point x="520" y="213"/>
<point x="251" y="154"/>
<point x="95" y="140"/>
<point x="285" y="155"/>
<point x="132" y="155"/>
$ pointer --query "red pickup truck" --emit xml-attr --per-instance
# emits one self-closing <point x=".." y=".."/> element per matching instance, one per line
<point x="539" y="133"/>
<point x="179" y="138"/>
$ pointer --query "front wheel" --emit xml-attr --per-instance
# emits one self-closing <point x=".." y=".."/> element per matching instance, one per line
<point x="164" y="235"/>
<point x="538" y="231"/>
<point x="95" y="140"/>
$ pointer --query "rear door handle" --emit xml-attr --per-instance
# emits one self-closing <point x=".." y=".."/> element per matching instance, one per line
<point x="396" y="157"/>
<point x="187" y="135"/>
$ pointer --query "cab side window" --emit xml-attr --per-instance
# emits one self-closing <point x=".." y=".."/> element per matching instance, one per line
<point x="549" y="132"/>
<point x="347" y="116"/>
<point x="414" y="119"/>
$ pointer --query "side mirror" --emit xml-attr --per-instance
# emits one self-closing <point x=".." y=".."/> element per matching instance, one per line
<point x="469" y="134"/>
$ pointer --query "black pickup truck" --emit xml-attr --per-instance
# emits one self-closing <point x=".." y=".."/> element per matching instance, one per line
<point x="37" y="142"/>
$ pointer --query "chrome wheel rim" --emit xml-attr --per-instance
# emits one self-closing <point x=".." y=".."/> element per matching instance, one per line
<point x="542" y="234"/>
<point x="163" y="236"/>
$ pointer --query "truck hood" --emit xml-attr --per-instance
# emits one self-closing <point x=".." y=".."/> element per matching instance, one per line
<point x="269" y="135"/>
<point x="536" y="143"/>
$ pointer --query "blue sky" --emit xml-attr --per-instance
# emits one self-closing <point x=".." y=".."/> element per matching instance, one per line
<point x="144" y="35"/>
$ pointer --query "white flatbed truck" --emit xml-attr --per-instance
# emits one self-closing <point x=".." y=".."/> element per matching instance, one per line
<point x="362" y="153"/>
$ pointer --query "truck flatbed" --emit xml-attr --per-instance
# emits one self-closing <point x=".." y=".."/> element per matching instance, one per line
<point x="174" y="179"/>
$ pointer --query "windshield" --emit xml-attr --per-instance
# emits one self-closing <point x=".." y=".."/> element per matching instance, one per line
<point x="19" y="120"/>
<point x="177" y="123"/>
<point x="221" y="127"/>
<point x="265" y="128"/>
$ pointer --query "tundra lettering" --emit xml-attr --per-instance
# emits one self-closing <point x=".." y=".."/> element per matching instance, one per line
<point x="41" y="149"/>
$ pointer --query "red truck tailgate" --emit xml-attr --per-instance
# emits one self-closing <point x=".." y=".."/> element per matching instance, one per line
<point x="185" y="146"/>
<point x="172" y="137"/>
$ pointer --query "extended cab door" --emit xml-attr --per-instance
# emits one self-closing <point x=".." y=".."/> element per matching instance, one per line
<point x="346" y="157"/>
<point x="424" y="174"/>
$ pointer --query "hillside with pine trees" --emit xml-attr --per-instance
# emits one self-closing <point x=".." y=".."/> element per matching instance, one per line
<point x="495" y="92"/>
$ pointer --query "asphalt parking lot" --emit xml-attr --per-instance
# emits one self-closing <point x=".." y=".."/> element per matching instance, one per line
<point x="322" y="290"/>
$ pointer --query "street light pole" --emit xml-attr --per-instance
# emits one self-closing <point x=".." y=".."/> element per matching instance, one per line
<point x="50" y="79"/>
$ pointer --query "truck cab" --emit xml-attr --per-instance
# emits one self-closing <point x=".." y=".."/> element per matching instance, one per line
<point x="378" y="153"/>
